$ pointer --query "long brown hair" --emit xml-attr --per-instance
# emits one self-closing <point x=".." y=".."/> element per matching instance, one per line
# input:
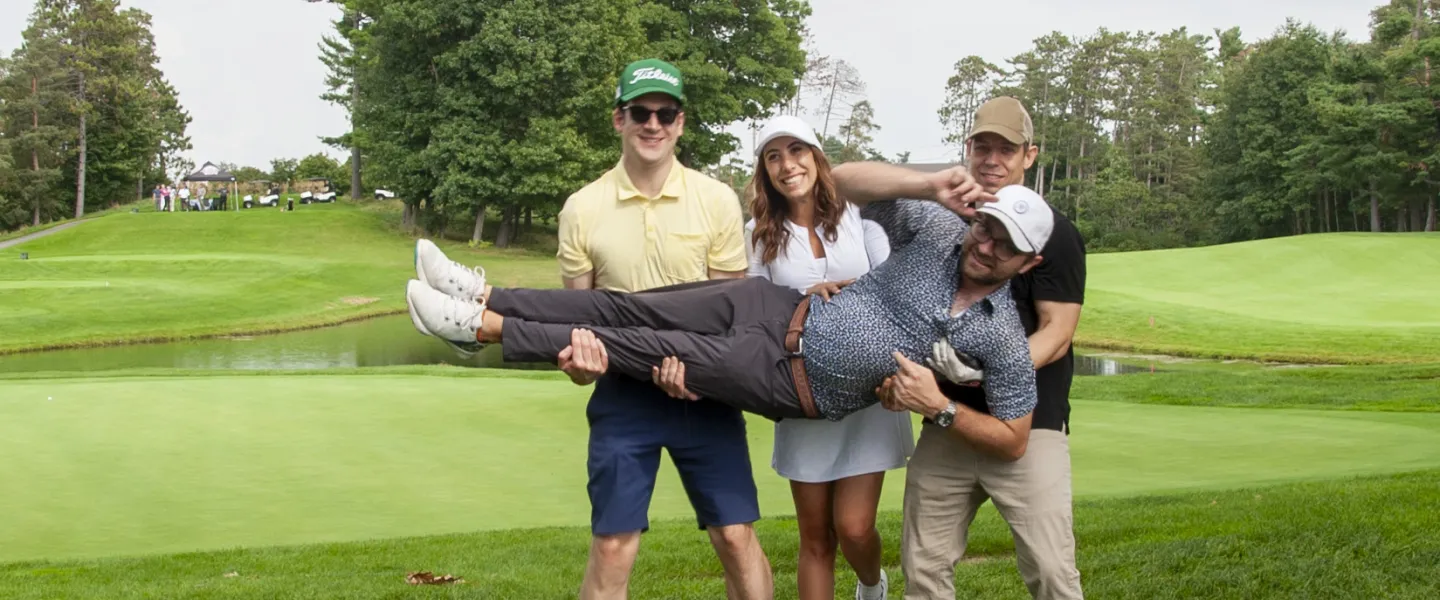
<point x="770" y="208"/>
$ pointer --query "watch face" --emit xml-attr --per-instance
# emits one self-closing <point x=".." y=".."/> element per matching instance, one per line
<point x="946" y="418"/>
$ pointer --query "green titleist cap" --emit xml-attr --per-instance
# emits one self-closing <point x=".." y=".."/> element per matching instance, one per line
<point x="649" y="76"/>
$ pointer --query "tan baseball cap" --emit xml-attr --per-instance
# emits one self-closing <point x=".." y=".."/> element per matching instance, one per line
<point x="1005" y="116"/>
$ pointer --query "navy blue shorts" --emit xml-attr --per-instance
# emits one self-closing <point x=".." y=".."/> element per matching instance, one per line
<point x="630" y="421"/>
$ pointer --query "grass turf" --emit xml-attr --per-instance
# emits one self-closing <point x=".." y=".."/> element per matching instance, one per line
<point x="148" y="276"/>
<point x="123" y="465"/>
<point x="1357" y="388"/>
<point x="1338" y="297"/>
<point x="1348" y="298"/>
<point x="1348" y="538"/>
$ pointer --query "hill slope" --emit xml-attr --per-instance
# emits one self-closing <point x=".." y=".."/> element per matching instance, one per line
<point x="1329" y="297"/>
<point x="128" y="277"/>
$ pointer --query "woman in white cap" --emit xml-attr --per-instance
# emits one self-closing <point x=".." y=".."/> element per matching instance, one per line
<point x="803" y="235"/>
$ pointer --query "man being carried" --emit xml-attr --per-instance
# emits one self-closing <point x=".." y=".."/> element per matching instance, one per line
<point x="768" y="349"/>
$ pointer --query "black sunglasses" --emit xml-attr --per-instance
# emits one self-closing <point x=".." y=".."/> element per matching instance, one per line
<point x="641" y="114"/>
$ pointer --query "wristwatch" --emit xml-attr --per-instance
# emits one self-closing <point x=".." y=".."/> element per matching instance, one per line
<point x="946" y="418"/>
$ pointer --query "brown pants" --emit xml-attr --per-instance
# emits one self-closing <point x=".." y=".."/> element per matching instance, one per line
<point x="946" y="482"/>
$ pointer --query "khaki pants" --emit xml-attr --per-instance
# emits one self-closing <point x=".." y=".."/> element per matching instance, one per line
<point x="946" y="482"/>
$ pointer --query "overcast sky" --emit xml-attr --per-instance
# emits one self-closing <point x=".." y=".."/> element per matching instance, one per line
<point x="248" y="72"/>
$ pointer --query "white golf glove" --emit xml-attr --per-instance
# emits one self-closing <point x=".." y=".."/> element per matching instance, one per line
<point x="945" y="361"/>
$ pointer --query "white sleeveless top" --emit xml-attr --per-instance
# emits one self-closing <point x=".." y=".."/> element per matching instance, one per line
<point x="869" y="441"/>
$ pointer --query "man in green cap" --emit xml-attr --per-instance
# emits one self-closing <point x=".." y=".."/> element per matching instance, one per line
<point x="647" y="223"/>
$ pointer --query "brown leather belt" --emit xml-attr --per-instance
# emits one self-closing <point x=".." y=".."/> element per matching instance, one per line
<point x="794" y="346"/>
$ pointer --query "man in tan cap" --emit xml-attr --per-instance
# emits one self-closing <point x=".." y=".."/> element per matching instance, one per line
<point x="957" y="466"/>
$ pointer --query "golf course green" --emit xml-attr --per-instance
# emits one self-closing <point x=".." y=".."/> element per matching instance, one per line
<point x="1349" y="298"/>
<point x="1340" y="297"/>
<point x="1200" y="479"/>
<point x="151" y="276"/>
<point x="165" y="464"/>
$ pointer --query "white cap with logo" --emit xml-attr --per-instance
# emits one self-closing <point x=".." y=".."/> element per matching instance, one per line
<point x="1024" y="214"/>
<point x="786" y="125"/>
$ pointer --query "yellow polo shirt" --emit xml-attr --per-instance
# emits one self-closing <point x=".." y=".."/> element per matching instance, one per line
<point x="636" y="243"/>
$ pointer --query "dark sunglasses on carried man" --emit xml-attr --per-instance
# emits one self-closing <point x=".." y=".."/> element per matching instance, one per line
<point x="641" y="114"/>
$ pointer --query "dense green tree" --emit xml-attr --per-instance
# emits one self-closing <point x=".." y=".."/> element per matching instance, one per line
<point x="320" y="166"/>
<point x="1298" y="132"/>
<point x="502" y="104"/>
<point x="85" y="101"/>
<point x="856" y="135"/>
<point x="970" y="86"/>
<point x="343" y="54"/>
<point x="34" y="117"/>
<point x="479" y="107"/>
<point x="741" y="60"/>
<point x="283" y="171"/>
<point x="247" y="173"/>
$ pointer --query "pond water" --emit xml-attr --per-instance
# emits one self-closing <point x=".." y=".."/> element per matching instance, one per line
<point x="384" y="341"/>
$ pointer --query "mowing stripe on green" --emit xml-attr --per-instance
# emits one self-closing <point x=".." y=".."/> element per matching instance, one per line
<point x="1342" y="297"/>
<point x="115" y="466"/>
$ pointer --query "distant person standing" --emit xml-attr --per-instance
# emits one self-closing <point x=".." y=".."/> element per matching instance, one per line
<point x="185" y="197"/>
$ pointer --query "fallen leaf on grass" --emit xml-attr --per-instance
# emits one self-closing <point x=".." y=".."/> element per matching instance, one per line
<point x="428" y="578"/>
<point x="232" y="574"/>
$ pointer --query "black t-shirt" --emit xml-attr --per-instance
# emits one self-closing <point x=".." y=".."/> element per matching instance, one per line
<point x="1059" y="278"/>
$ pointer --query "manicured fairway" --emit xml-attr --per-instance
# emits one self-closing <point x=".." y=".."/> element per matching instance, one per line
<point x="1331" y="297"/>
<point x="1324" y="298"/>
<point x="151" y="275"/>
<point x="1344" y="538"/>
<point x="111" y="466"/>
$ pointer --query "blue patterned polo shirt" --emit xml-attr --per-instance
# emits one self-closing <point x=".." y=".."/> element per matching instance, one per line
<point x="904" y="305"/>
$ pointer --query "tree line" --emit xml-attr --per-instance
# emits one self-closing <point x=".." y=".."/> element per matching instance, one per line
<point x="469" y="107"/>
<point x="472" y="107"/>
<point x="87" y="119"/>
<point x="1178" y="139"/>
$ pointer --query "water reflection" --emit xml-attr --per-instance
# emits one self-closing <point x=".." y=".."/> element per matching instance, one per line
<point x="1097" y="365"/>
<point x="386" y="341"/>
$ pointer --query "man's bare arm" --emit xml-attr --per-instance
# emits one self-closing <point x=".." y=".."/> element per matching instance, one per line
<point x="580" y="282"/>
<point x="954" y="188"/>
<point x="914" y="388"/>
<point x="1005" y="439"/>
<point x="864" y="182"/>
<point x="1054" y="332"/>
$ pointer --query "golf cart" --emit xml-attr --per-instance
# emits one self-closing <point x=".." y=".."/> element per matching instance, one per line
<point x="270" y="199"/>
<point x="326" y="193"/>
<point x="384" y="194"/>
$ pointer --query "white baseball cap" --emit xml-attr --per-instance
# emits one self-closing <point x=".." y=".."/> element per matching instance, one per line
<point x="1025" y="215"/>
<point x="784" y="125"/>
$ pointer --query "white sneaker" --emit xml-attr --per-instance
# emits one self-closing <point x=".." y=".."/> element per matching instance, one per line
<point x="451" y="319"/>
<point x="436" y="270"/>
<point x="884" y="589"/>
